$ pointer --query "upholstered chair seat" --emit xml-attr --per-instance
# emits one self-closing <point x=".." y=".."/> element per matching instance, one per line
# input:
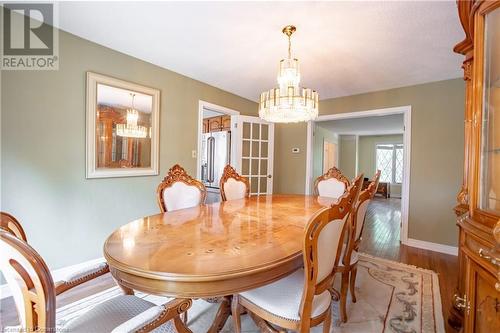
<point x="125" y="313"/>
<point x="332" y="184"/>
<point x="232" y="185"/>
<point x="282" y="298"/>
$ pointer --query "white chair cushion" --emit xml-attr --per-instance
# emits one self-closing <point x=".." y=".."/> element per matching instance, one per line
<point x="234" y="189"/>
<point x="282" y="298"/>
<point x="354" y="256"/>
<point x="180" y="196"/>
<point x="331" y="187"/>
<point x="107" y="316"/>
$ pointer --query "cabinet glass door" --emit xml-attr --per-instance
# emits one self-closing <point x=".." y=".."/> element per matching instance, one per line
<point x="489" y="199"/>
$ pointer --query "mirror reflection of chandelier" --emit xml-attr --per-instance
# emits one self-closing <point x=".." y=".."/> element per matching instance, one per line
<point x="289" y="103"/>
<point x="131" y="129"/>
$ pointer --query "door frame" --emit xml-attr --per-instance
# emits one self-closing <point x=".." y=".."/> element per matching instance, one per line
<point x="203" y="105"/>
<point x="405" y="190"/>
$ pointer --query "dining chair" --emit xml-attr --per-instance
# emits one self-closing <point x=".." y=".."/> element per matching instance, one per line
<point x="302" y="299"/>
<point x="348" y="265"/>
<point x="34" y="291"/>
<point x="10" y="224"/>
<point x="332" y="184"/>
<point x="232" y="185"/>
<point x="178" y="190"/>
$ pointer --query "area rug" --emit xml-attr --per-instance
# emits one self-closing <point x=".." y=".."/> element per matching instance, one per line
<point x="391" y="297"/>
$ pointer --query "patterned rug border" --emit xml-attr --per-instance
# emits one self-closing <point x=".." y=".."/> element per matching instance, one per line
<point x="435" y="280"/>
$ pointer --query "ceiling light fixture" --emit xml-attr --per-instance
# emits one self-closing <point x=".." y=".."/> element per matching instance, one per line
<point x="289" y="103"/>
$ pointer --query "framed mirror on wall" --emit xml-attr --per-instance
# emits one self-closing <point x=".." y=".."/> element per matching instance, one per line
<point x="122" y="128"/>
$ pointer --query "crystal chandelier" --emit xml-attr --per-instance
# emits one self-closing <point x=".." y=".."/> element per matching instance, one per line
<point x="131" y="129"/>
<point x="289" y="103"/>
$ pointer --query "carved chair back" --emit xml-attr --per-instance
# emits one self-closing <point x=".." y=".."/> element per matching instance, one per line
<point x="332" y="184"/>
<point x="232" y="185"/>
<point x="10" y="224"/>
<point x="31" y="284"/>
<point x="359" y="212"/>
<point x="178" y="190"/>
<point x="323" y="246"/>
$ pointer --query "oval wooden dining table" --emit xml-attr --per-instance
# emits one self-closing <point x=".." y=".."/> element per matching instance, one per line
<point x="212" y="250"/>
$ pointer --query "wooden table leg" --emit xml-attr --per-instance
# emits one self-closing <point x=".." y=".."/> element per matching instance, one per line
<point x="221" y="316"/>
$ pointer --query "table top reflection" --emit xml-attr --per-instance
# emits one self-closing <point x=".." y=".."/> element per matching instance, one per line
<point x="213" y="243"/>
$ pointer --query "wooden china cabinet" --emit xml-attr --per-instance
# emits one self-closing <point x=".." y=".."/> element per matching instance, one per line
<point x="477" y="300"/>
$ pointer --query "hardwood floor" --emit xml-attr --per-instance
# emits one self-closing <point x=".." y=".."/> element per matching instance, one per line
<point x="380" y="238"/>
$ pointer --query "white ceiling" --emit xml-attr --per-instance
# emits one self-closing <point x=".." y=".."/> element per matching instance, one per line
<point x="375" y="125"/>
<point x="345" y="48"/>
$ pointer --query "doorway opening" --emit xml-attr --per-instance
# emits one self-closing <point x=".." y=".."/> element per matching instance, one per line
<point x="216" y="147"/>
<point x="363" y="142"/>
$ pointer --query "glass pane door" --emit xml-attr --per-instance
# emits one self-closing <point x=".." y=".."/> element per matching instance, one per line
<point x="256" y="148"/>
<point x="489" y="199"/>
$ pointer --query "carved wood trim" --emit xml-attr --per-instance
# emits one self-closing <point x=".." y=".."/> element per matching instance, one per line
<point x="171" y="310"/>
<point x="333" y="172"/>
<point x="10" y="224"/>
<point x="466" y="16"/>
<point x="178" y="174"/>
<point x="230" y="172"/>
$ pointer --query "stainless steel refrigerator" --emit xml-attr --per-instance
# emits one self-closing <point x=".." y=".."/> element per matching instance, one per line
<point x="216" y="154"/>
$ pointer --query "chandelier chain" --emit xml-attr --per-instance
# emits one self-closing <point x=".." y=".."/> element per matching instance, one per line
<point x="289" y="46"/>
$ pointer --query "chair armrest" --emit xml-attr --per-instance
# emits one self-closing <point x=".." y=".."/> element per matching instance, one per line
<point x="157" y="316"/>
<point x="77" y="278"/>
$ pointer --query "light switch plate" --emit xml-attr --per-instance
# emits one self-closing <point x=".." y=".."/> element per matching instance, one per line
<point x="295" y="150"/>
<point x="193" y="153"/>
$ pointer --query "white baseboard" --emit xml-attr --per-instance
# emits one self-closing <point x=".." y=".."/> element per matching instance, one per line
<point x="453" y="250"/>
<point x="57" y="274"/>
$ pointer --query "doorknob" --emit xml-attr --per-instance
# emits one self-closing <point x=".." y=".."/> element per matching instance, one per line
<point x="269" y="176"/>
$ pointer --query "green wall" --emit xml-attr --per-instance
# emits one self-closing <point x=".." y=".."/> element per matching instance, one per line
<point x="436" y="151"/>
<point x="67" y="217"/>
<point x="347" y="155"/>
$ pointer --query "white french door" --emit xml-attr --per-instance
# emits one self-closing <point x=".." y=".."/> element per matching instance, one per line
<point x="254" y="145"/>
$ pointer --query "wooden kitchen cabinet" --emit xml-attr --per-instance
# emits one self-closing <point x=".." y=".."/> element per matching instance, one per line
<point x="226" y="123"/>
<point x="217" y="124"/>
